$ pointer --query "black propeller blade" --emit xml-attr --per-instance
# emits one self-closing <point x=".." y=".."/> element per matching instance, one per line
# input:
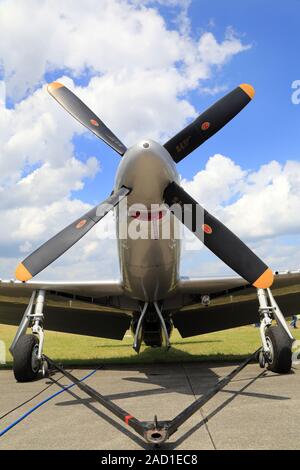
<point x="85" y="116"/>
<point x="218" y="238"/>
<point x="209" y="122"/>
<point x="56" y="246"/>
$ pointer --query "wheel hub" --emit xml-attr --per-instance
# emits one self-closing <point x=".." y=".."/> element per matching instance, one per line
<point x="270" y="352"/>
<point x="35" y="362"/>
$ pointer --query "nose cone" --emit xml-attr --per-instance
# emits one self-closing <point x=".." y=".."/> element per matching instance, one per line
<point x="146" y="168"/>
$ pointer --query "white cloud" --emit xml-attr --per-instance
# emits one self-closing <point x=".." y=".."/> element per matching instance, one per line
<point x="2" y="94"/>
<point x="255" y="204"/>
<point x="220" y="180"/>
<point x="47" y="184"/>
<point x="35" y="131"/>
<point x="277" y="252"/>
<point x="138" y="105"/>
<point x="143" y="69"/>
<point x="262" y="207"/>
<point x="106" y="36"/>
<point x="214" y="53"/>
<point x="32" y="224"/>
<point x="272" y="208"/>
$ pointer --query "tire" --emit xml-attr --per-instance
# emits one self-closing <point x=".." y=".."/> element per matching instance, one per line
<point x="261" y="360"/>
<point x="25" y="366"/>
<point x="280" y="344"/>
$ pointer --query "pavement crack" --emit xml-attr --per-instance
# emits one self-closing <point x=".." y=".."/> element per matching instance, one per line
<point x="204" y="418"/>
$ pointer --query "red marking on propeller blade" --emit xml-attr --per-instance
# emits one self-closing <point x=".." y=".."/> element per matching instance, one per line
<point x="94" y="122"/>
<point x="207" y="229"/>
<point x="81" y="223"/>
<point x="205" y="126"/>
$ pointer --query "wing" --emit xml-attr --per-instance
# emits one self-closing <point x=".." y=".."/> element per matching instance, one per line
<point x="217" y="285"/>
<point x="233" y="304"/>
<point x="87" y="308"/>
<point x="95" y="289"/>
<point x="202" y="286"/>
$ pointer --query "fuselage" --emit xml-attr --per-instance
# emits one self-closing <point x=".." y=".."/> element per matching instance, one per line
<point x="149" y="251"/>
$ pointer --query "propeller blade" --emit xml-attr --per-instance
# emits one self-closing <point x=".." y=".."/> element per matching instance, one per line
<point x="57" y="245"/>
<point x="84" y="115"/>
<point x="209" y="122"/>
<point x="218" y="238"/>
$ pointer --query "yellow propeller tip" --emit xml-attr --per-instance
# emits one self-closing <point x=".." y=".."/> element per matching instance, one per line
<point x="248" y="89"/>
<point x="265" y="280"/>
<point x="54" y="86"/>
<point x="22" y="274"/>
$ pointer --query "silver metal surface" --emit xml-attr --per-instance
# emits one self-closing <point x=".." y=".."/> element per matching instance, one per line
<point x="38" y="319"/>
<point x="149" y="266"/>
<point x="139" y="331"/>
<point x="24" y="323"/>
<point x="278" y="315"/>
<point x="163" y="326"/>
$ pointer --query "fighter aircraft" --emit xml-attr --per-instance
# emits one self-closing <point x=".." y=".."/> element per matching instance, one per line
<point x="151" y="297"/>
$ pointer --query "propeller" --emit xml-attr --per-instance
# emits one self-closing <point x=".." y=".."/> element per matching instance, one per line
<point x="60" y="243"/>
<point x="209" y="122"/>
<point x="68" y="100"/>
<point x="218" y="238"/>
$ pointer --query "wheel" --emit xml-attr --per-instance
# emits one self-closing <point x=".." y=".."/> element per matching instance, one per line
<point x="280" y="350"/>
<point x="26" y="363"/>
<point x="45" y="369"/>
<point x="261" y="360"/>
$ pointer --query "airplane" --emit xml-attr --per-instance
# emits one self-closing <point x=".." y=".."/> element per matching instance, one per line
<point x="151" y="298"/>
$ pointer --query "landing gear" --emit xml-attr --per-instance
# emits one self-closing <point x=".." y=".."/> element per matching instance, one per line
<point x="27" y="350"/>
<point x="26" y="364"/>
<point x="276" y="352"/>
<point x="152" y="327"/>
<point x="280" y="360"/>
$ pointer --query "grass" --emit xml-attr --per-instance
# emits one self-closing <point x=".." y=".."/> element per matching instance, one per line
<point x="73" y="350"/>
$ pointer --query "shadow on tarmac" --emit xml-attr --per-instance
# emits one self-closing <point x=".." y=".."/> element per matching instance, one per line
<point x="165" y="378"/>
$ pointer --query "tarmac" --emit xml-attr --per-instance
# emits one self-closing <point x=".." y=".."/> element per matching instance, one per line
<point x="257" y="410"/>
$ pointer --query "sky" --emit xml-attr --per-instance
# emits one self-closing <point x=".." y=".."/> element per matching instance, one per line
<point x="148" y="68"/>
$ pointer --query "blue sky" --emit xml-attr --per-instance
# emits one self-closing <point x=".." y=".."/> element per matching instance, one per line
<point x="147" y="67"/>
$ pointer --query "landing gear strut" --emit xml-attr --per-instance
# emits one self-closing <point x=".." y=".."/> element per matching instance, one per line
<point x="27" y="350"/>
<point x="152" y="327"/>
<point x="276" y="352"/>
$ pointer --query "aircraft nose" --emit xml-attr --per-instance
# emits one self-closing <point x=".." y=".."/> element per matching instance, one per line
<point x="146" y="145"/>
<point x="147" y="168"/>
